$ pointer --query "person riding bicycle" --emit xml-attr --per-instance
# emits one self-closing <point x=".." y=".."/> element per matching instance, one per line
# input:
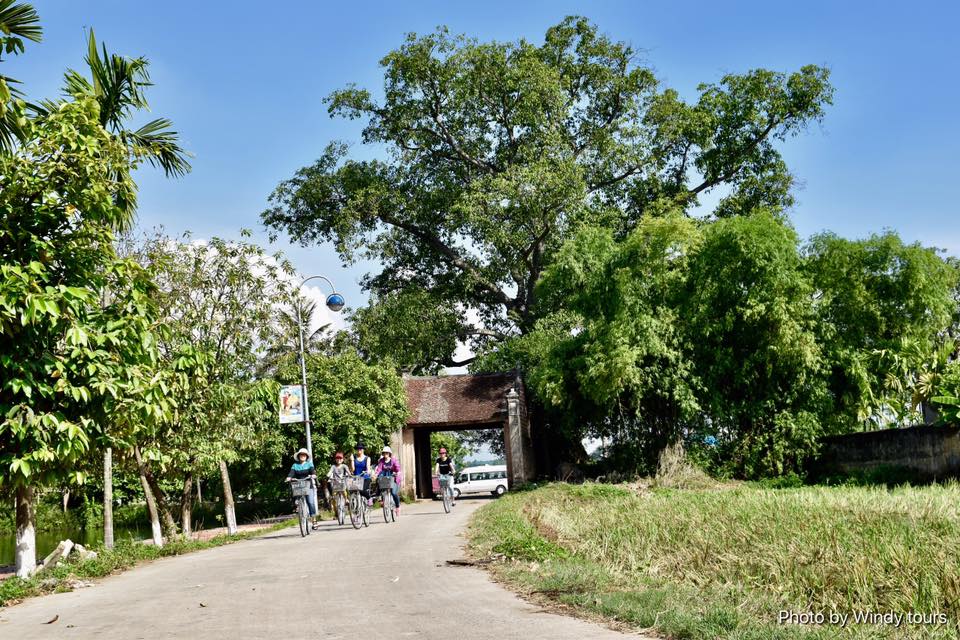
<point x="338" y="470"/>
<point x="303" y="469"/>
<point x="362" y="465"/>
<point x="388" y="466"/>
<point x="446" y="469"/>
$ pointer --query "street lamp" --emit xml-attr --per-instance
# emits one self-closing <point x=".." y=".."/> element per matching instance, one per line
<point x="335" y="302"/>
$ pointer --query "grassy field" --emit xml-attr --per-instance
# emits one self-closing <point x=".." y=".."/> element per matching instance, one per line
<point x="725" y="561"/>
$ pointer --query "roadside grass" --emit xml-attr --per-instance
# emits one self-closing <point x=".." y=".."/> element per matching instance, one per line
<point x="723" y="562"/>
<point x="123" y="556"/>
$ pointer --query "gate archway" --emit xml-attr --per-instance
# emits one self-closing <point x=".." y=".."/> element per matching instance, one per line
<point x="461" y="403"/>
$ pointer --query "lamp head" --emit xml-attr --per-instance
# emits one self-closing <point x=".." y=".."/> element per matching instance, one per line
<point x="335" y="302"/>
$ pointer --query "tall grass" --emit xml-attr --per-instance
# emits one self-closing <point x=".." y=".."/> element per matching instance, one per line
<point x="723" y="563"/>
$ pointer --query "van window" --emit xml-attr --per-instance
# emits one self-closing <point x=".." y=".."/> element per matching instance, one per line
<point x="462" y="479"/>
<point x="475" y="476"/>
<point x="501" y="474"/>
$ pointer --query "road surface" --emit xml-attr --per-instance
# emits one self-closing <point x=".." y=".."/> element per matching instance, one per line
<point x="283" y="586"/>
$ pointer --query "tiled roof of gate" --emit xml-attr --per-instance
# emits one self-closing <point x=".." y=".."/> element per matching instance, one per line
<point x="458" y="399"/>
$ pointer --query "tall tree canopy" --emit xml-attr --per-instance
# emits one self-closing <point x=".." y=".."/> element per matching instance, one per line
<point x="64" y="355"/>
<point x="497" y="152"/>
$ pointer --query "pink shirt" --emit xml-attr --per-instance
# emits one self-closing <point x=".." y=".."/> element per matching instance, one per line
<point x="393" y="466"/>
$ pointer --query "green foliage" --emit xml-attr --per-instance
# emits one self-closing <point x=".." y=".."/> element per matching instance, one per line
<point x="217" y="302"/>
<point x="350" y="400"/>
<point x="751" y="331"/>
<point x="18" y="22"/>
<point x="411" y="329"/>
<point x="118" y="85"/>
<point x="65" y="355"/>
<point x="947" y="398"/>
<point x="882" y="309"/>
<point x="500" y="152"/>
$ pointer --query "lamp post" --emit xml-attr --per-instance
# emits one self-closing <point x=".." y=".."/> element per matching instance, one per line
<point x="334" y="302"/>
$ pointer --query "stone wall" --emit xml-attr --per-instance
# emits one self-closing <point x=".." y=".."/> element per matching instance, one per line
<point x="931" y="453"/>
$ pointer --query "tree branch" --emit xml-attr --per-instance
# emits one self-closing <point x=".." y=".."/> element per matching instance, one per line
<point x="451" y="256"/>
<point x="712" y="182"/>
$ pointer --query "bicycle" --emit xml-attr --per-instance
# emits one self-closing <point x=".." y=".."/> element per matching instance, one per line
<point x="339" y="489"/>
<point x="385" y="484"/>
<point x="446" y="492"/>
<point x="358" y="504"/>
<point x="300" y="489"/>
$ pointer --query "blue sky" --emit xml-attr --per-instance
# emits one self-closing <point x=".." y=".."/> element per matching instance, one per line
<point x="244" y="83"/>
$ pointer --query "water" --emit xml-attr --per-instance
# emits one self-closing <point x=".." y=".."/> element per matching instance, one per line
<point x="47" y="541"/>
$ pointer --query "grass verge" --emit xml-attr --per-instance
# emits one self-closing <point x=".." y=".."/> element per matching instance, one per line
<point x="123" y="556"/>
<point x="724" y="562"/>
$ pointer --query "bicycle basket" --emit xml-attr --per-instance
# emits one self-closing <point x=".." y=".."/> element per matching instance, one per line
<point x="338" y="484"/>
<point x="446" y="482"/>
<point x="354" y="483"/>
<point x="300" y="488"/>
<point x="385" y="482"/>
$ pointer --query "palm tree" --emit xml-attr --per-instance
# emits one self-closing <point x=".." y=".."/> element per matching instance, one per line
<point x="118" y="84"/>
<point x="288" y="344"/>
<point x="18" y="22"/>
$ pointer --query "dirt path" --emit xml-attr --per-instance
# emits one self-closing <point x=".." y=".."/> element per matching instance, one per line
<point x="281" y="585"/>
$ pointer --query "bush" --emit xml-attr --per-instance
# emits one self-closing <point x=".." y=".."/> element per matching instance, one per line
<point x="675" y="471"/>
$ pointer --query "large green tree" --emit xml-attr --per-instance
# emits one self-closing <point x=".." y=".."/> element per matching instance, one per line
<point x="611" y="357"/>
<point x="886" y="311"/>
<point x="63" y="354"/>
<point x="496" y="152"/>
<point x="751" y="330"/>
<point x="221" y="300"/>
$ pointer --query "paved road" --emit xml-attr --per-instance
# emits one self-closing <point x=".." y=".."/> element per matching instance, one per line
<point x="280" y="585"/>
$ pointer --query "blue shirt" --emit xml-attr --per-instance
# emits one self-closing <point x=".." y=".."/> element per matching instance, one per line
<point x="301" y="470"/>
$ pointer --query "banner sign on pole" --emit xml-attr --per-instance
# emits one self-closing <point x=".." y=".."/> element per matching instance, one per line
<point x="291" y="404"/>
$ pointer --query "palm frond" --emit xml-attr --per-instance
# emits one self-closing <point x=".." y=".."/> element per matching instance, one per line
<point x="158" y="143"/>
<point x="18" y="21"/>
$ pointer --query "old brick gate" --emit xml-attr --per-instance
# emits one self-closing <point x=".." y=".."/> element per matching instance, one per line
<point x="460" y="403"/>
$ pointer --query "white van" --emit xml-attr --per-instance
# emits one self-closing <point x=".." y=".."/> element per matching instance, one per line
<point x="485" y="479"/>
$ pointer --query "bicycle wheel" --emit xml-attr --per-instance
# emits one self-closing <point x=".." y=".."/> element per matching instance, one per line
<point x="355" y="509"/>
<point x="302" y="516"/>
<point x="365" y="512"/>
<point x="341" y="508"/>
<point x="387" y="499"/>
<point x="446" y="500"/>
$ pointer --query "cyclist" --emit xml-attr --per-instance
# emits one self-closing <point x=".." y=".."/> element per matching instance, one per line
<point x="339" y="471"/>
<point x="362" y="465"/>
<point x="303" y="469"/>
<point x="388" y="466"/>
<point x="446" y="468"/>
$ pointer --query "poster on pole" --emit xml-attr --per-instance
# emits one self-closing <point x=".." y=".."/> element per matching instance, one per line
<point x="291" y="404"/>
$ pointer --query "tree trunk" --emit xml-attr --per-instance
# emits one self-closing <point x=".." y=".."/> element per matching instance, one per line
<point x="199" y="494"/>
<point x="66" y="499"/>
<point x="108" y="498"/>
<point x="166" y="517"/>
<point x="228" y="499"/>
<point x="151" y="502"/>
<point x="186" y="506"/>
<point x="26" y="553"/>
